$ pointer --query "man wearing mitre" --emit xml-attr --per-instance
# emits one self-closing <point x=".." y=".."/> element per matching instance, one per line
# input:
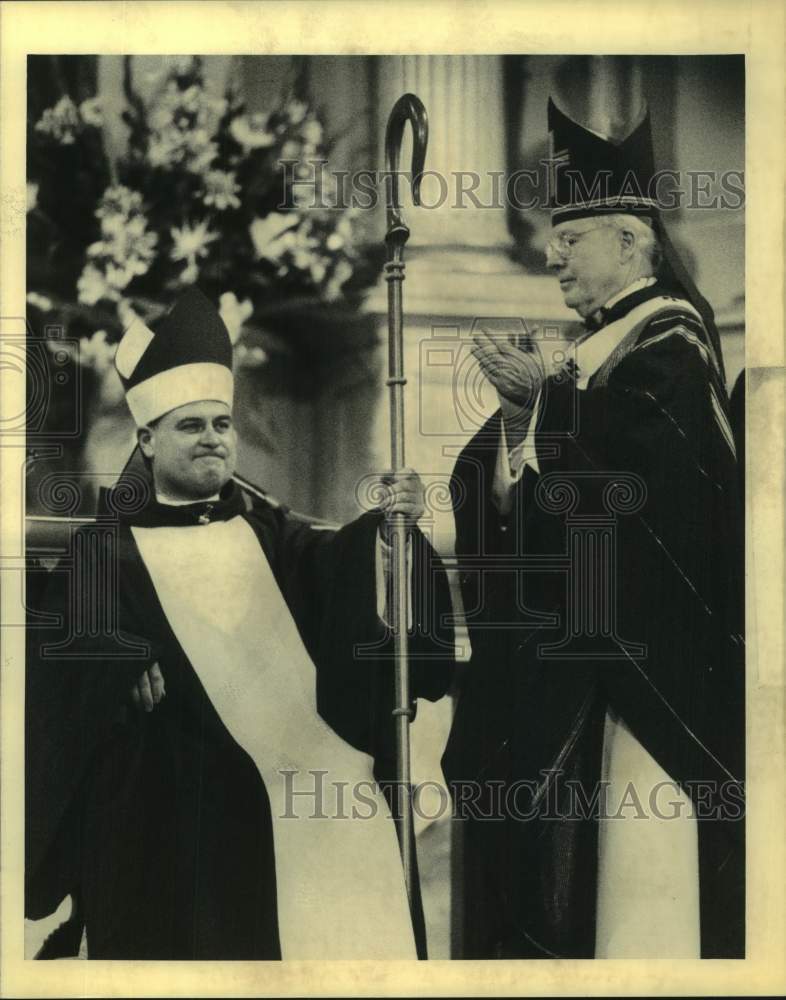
<point x="200" y="775"/>
<point x="599" y="544"/>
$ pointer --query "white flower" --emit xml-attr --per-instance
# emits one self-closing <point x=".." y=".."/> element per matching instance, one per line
<point x="221" y="190"/>
<point x="114" y="224"/>
<point x="180" y="65"/>
<point x="191" y="98"/>
<point x="290" y="239"/>
<point x="251" y="132"/>
<point x="126" y="313"/>
<point x="302" y="259"/>
<point x="318" y="271"/>
<point x="32" y="195"/>
<point x="92" y="112"/>
<point x="341" y="274"/>
<point x="39" y="301"/>
<point x="234" y="314"/>
<point x="198" y="138"/>
<point x="250" y="357"/>
<point x="269" y="235"/>
<point x="190" y="273"/>
<point x="344" y="226"/>
<point x="191" y="242"/>
<point x="160" y="117"/>
<point x="334" y="242"/>
<point x="161" y="152"/>
<point x="93" y="286"/>
<point x="135" y="227"/>
<point x="126" y="249"/>
<point x="61" y="122"/>
<point x="183" y="124"/>
<point x="119" y="200"/>
<point x="296" y="111"/>
<point x="139" y="265"/>
<point x="218" y="106"/>
<point x="118" y="277"/>
<point x="312" y="132"/>
<point x="202" y="158"/>
<point x="95" y="352"/>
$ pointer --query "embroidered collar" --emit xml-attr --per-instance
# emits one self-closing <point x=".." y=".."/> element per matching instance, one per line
<point x="593" y="350"/>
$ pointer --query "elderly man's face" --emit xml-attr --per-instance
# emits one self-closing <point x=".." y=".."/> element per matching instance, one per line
<point x="589" y="258"/>
<point x="192" y="448"/>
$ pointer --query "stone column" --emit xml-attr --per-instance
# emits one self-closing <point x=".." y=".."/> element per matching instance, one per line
<point x="463" y="98"/>
<point x="462" y="245"/>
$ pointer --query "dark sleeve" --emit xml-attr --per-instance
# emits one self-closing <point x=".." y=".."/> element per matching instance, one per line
<point x="480" y="529"/>
<point x="76" y="684"/>
<point x="652" y="450"/>
<point x="328" y="579"/>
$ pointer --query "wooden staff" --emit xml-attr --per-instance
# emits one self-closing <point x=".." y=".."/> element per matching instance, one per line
<point x="407" y="108"/>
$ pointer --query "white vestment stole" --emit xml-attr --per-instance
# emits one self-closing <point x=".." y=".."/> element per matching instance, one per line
<point x="340" y="884"/>
<point x="648" y="857"/>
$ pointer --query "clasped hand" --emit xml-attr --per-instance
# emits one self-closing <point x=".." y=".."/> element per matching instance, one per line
<point x="517" y="373"/>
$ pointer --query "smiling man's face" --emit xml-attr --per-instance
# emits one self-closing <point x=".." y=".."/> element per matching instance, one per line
<point x="193" y="450"/>
<point x="590" y="260"/>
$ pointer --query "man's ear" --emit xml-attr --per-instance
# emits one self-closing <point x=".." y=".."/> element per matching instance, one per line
<point x="144" y="437"/>
<point x="627" y="245"/>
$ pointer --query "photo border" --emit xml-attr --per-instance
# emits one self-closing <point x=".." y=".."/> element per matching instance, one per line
<point x="432" y="26"/>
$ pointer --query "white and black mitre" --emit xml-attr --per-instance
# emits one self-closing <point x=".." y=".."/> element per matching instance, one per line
<point x="184" y="357"/>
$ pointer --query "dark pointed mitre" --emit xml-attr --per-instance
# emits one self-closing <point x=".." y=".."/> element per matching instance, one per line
<point x="592" y="176"/>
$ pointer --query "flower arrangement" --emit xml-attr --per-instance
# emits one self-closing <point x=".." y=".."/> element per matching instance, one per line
<point x="205" y="192"/>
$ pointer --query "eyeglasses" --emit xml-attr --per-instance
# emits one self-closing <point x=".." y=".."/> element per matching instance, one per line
<point x="564" y="244"/>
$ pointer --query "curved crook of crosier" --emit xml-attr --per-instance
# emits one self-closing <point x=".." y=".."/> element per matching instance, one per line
<point x="408" y="108"/>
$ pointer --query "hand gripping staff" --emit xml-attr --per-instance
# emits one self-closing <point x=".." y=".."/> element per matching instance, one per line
<point x="407" y="108"/>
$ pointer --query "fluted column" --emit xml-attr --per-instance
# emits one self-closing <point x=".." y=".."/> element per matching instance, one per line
<point x="463" y="97"/>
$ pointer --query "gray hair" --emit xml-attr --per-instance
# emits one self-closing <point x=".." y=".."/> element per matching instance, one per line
<point x="647" y="242"/>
